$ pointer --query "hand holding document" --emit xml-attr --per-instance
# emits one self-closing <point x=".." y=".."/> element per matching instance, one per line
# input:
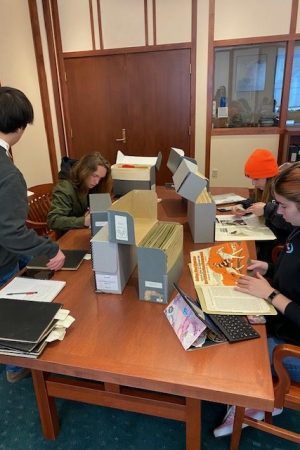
<point x="215" y="271"/>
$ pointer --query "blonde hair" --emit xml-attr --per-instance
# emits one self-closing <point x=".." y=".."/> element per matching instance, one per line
<point x="85" y="167"/>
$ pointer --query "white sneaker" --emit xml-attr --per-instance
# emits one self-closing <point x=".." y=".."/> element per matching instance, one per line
<point x="227" y="425"/>
<point x="277" y="411"/>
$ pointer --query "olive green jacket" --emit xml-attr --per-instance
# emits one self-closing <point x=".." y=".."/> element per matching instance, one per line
<point x="67" y="209"/>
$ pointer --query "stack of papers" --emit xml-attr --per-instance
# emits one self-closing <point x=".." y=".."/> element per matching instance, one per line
<point x="21" y="288"/>
<point x="215" y="271"/>
<point x="204" y="197"/>
<point x="223" y="199"/>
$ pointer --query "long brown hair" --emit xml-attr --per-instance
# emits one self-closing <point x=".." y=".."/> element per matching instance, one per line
<point x="287" y="184"/>
<point x="85" y="167"/>
<point x="266" y="195"/>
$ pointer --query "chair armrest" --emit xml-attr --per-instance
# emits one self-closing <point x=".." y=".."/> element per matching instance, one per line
<point x="32" y="224"/>
<point x="283" y="383"/>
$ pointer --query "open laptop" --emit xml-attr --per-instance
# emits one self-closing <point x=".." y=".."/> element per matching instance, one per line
<point x="220" y="327"/>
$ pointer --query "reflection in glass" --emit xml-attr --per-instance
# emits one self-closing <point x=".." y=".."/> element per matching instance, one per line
<point x="293" y="115"/>
<point x="248" y="85"/>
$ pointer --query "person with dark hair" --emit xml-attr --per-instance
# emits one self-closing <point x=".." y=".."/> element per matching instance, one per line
<point x="77" y="179"/>
<point x="283" y="291"/>
<point x="262" y="168"/>
<point x="16" y="239"/>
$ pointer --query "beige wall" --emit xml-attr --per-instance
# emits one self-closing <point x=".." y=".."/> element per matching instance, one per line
<point x="18" y="69"/>
<point x="237" y="19"/>
<point x="126" y="28"/>
<point x="243" y="18"/>
<point x="229" y="153"/>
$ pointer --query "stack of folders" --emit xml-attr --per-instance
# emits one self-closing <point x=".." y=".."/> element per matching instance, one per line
<point x="204" y="197"/>
<point x="160" y="261"/>
<point x="164" y="236"/>
<point x="28" y="319"/>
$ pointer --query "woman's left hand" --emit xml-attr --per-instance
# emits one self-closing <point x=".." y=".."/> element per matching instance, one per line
<point x="257" y="286"/>
<point x="257" y="209"/>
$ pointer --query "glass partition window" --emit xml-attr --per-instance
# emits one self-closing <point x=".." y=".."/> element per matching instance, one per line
<point x="293" y="115"/>
<point x="248" y="85"/>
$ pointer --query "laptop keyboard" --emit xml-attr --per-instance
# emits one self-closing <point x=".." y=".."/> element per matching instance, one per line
<point x="234" y="328"/>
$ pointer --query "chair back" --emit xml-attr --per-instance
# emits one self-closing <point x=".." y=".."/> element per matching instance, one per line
<point x="286" y="395"/>
<point x="39" y="204"/>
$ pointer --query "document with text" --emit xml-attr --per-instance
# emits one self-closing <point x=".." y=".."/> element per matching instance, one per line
<point x="215" y="271"/>
<point x="246" y="228"/>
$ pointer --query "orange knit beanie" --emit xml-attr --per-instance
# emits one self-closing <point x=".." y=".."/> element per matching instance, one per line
<point x="261" y="164"/>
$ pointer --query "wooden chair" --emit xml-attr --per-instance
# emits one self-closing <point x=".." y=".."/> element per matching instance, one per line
<point x="39" y="203"/>
<point x="276" y="252"/>
<point x="286" y="394"/>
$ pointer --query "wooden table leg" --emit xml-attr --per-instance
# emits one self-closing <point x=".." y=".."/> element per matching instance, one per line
<point x="193" y="424"/>
<point x="237" y="428"/>
<point x="46" y="406"/>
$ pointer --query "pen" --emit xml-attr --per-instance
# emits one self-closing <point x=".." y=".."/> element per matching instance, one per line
<point x="22" y="293"/>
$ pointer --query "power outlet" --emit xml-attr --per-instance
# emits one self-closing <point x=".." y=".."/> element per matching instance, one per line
<point x="214" y="173"/>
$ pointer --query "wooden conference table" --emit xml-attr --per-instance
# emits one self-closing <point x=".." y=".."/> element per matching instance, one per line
<point x="121" y="352"/>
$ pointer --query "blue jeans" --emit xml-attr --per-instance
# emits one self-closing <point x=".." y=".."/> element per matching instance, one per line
<point x="9" y="275"/>
<point x="291" y="364"/>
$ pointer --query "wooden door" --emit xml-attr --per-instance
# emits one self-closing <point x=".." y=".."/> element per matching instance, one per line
<point x="147" y="94"/>
<point x="96" y="104"/>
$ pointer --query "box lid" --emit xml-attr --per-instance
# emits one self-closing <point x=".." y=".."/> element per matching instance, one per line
<point x="99" y="202"/>
<point x="188" y="181"/>
<point x="132" y="216"/>
<point x="176" y="155"/>
<point x="139" y="160"/>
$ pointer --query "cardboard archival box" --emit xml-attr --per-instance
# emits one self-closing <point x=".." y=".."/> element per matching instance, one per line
<point x="201" y="218"/>
<point x="176" y="155"/>
<point x="190" y="184"/>
<point x="134" y="172"/>
<point x="112" y="263"/>
<point x="99" y="203"/>
<point x="188" y="181"/>
<point x="133" y="220"/>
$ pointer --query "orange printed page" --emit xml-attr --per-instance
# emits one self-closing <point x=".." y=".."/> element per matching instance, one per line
<point x="219" y="265"/>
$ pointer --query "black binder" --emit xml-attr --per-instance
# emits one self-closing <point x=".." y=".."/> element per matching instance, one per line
<point x="25" y="320"/>
<point x="73" y="260"/>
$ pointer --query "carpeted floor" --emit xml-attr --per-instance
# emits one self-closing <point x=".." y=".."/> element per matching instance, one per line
<point x="88" y="427"/>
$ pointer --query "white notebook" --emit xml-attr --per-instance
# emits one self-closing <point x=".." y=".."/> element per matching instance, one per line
<point x="32" y="289"/>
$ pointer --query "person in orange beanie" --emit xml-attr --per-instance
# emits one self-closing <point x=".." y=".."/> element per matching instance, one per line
<point x="262" y="168"/>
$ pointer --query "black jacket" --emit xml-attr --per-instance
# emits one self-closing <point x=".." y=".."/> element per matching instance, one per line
<point x="276" y="223"/>
<point x="286" y="278"/>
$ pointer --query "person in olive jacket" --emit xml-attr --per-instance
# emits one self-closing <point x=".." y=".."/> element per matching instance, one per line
<point x="70" y="198"/>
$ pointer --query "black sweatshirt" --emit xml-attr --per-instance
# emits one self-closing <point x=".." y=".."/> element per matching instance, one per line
<point x="286" y="279"/>
<point x="15" y="238"/>
<point x="276" y="223"/>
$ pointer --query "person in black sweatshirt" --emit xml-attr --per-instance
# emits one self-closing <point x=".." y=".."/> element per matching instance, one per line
<point x="283" y="291"/>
